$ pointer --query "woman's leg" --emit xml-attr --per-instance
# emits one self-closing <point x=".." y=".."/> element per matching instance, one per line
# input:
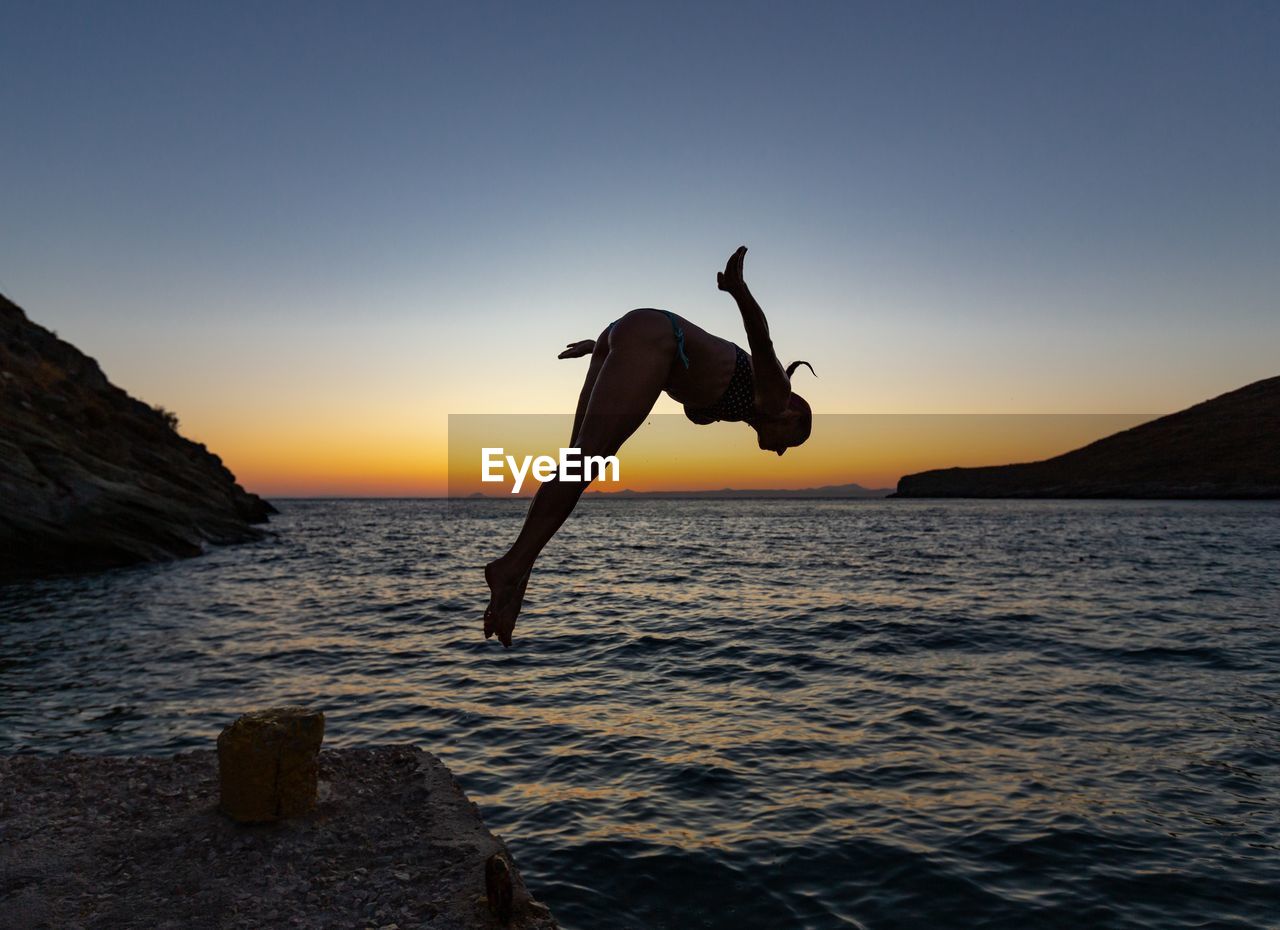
<point x="598" y="355"/>
<point x="636" y="365"/>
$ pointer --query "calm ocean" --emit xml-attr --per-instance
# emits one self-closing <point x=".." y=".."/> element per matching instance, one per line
<point x="747" y="714"/>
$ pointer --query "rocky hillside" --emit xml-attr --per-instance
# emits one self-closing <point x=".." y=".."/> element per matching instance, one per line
<point x="92" y="478"/>
<point x="1228" y="447"/>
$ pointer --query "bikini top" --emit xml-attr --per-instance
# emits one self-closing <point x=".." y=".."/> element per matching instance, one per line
<point x="737" y="403"/>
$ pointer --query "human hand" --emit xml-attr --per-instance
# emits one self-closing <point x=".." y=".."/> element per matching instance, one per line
<point x="730" y="280"/>
<point x="578" y="349"/>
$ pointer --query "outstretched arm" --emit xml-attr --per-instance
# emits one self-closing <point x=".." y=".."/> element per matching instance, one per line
<point x="578" y="349"/>
<point x="772" y="386"/>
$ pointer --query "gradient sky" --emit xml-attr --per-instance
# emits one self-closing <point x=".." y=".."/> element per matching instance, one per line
<point x="314" y="230"/>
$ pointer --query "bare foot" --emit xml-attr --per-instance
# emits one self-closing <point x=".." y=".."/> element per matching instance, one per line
<point x="506" y="595"/>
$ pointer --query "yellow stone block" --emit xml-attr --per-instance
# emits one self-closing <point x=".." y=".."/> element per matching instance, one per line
<point x="268" y="762"/>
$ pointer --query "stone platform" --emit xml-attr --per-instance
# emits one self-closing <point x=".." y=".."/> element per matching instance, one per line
<point x="110" y="842"/>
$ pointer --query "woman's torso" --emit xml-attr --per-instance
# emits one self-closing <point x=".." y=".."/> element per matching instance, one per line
<point x="717" y="385"/>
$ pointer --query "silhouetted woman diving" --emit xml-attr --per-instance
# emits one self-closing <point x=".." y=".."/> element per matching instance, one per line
<point x="635" y="359"/>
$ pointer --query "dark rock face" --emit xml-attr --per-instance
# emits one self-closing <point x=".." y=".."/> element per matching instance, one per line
<point x="1224" y="448"/>
<point x="92" y="478"/>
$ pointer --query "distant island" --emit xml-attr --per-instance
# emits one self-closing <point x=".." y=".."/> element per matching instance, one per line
<point x="827" y="492"/>
<point x="93" y="478"/>
<point x="1224" y="448"/>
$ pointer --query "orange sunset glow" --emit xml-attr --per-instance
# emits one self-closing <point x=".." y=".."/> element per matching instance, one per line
<point x="669" y="454"/>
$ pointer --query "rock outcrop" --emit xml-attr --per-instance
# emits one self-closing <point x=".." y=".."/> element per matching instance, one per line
<point x="93" y="478"/>
<point x="1224" y="448"/>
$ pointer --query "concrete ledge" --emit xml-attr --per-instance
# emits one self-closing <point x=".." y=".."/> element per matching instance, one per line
<point x="101" y="841"/>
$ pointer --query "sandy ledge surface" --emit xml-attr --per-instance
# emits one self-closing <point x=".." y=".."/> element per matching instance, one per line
<point x="111" y="842"/>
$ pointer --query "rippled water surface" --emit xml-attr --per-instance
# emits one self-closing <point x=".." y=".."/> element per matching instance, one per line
<point x="748" y="714"/>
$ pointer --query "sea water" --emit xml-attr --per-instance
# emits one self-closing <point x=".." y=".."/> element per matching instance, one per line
<point x="741" y="714"/>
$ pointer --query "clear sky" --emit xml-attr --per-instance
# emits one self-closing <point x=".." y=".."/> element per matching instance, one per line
<point x="314" y="230"/>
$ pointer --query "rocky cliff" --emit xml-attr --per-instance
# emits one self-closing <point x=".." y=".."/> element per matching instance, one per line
<point x="1227" y="447"/>
<point x="92" y="478"/>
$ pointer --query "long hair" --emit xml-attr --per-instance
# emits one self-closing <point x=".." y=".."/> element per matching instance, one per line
<point x="794" y="365"/>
